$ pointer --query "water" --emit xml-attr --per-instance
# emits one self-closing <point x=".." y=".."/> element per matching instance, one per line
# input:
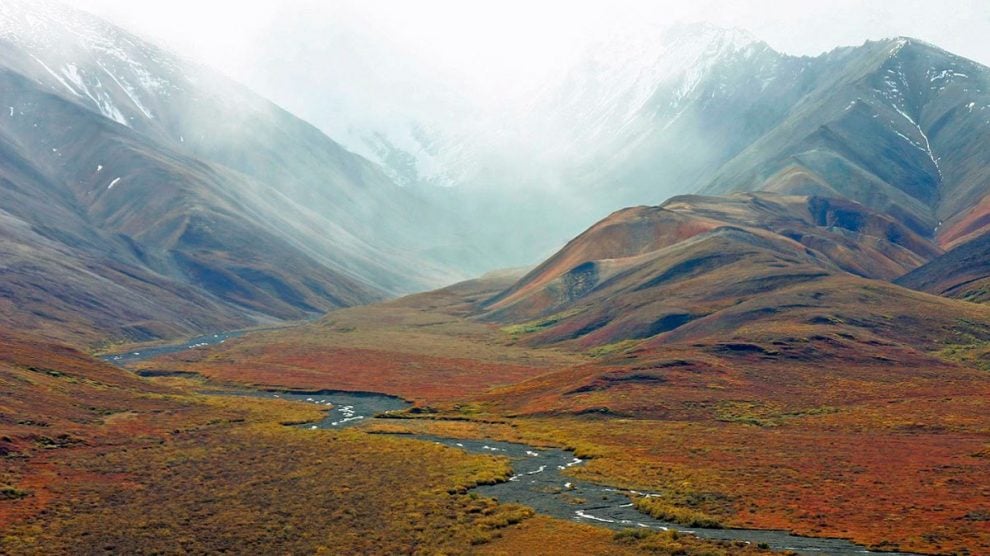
<point x="537" y="480"/>
<point x="346" y="409"/>
<point x="124" y="359"/>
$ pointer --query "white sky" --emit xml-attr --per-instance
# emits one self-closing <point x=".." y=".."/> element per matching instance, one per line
<point x="354" y="65"/>
<point x="508" y="36"/>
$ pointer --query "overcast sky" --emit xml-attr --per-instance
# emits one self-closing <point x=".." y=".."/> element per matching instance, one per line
<point x="352" y="65"/>
<point x="526" y="34"/>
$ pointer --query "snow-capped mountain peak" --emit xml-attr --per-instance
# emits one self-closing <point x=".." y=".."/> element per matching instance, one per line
<point x="621" y="76"/>
<point x="85" y="59"/>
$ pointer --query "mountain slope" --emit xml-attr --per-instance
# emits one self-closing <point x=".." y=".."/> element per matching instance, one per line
<point x="191" y="203"/>
<point x="894" y="130"/>
<point x="962" y="273"/>
<point x="689" y="307"/>
<point x="647" y="270"/>
<point x="895" y="125"/>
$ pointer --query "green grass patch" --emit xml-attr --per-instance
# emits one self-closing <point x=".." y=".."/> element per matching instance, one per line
<point x="761" y="414"/>
<point x="661" y="509"/>
<point x="538" y="325"/>
<point x="616" y="347"/>
<point x="975" y="354"/>
<point x="8" y="492"/>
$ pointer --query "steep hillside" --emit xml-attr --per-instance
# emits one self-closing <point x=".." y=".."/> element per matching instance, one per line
<point x="896" y="130"/>
<point x="896" y="125"/>
<point x="145" y="196"/>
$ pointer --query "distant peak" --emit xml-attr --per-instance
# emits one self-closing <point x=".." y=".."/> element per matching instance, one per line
<point x="51" y="25"/>
<point x="896" y="44"/>
<point x="729" y="38"/>
<point x="903" y="40"/>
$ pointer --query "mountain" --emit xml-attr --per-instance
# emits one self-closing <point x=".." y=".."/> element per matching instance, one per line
<point x="792" y="269"/>
<point x="855" y="175"/>
<point x="794" y="301"/>
<point x="650" y="113"/>
<point x="536" y="158"/>
<point x="646" y="271"/>
<point x="583" y="113"/>
<point x="895" y="130"/>
<point x="890" y="124"/>
<point x="145" y="196"/>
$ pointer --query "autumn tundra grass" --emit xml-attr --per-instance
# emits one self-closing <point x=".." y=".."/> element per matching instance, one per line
<point x="95" y="460"/>
<point x="840" y="413"/>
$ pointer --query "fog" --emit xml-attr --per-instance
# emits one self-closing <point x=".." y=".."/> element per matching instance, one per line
<point x="481" y="95"/>
<point x="309" y="54"/>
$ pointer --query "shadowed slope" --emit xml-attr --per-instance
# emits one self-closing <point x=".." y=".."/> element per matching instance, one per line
<point x="963" y="272"/>
<point x="167" y="200"/>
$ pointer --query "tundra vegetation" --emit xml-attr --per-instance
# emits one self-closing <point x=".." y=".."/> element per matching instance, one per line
<point x="739" y="436"/>
<point x="96" y="460"/>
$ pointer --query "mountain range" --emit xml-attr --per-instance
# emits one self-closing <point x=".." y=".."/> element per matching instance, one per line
<point x="146" y="196"/>
<point x="751" y="291"/>
<point x="892" y="124"/>
<point x="873" y="171"/>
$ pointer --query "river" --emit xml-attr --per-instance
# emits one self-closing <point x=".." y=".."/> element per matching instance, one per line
<point x="538" y="479"/>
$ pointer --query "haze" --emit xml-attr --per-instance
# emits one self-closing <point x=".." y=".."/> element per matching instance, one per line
<point x="485" y="51"/>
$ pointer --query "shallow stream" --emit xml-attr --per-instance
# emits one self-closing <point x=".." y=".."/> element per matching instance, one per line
<point x="538" y="478"/>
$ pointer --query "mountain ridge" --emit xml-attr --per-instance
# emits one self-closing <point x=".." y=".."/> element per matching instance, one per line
<point x="118" y="151"/>
<point x="749" y="118"/>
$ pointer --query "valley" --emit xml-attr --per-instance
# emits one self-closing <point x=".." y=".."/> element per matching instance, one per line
<point x="170" y="467"/>
<point x="683" y="293"/>
<point x="718" y="445"/>
<point x="537" y="479"/>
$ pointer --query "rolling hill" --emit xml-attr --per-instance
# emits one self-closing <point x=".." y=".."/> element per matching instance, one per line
<point x="649" y="270"/>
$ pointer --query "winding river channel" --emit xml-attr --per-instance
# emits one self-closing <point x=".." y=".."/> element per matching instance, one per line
<point x="538" y="479"/>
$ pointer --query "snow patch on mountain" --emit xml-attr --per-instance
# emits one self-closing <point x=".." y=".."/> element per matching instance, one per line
<point x="624" y="75"/>
<point x="606" y="95"/>
<point x="128" y="90"/>
<point x="78" y="52"/>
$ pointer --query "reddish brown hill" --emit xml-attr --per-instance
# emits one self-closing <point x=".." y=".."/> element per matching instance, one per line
<point x="53" y="397"/>
<point x="647" y="271"/>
